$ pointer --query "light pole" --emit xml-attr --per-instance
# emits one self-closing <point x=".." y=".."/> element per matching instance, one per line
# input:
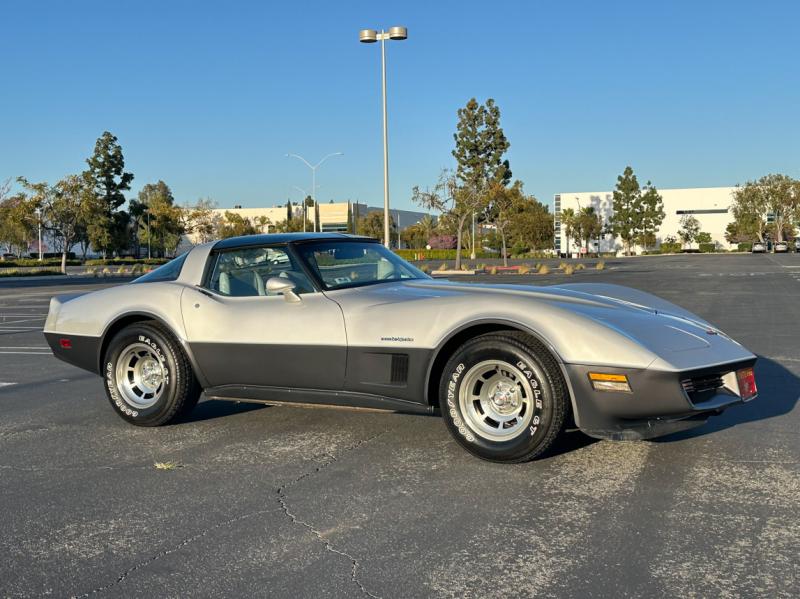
<point x="39" y="218"/>
<point x="370" y="36"/>
<point x="305" y="211"/>
<point x="397" y="214"/>
<point x="313" y="168"/>
<point x="148" y="233"/>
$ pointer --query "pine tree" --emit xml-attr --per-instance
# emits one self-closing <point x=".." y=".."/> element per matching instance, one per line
<point x="107" y="180"/>
<point x="627" y="208"/>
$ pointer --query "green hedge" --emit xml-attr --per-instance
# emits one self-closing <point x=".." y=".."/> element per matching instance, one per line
<point x="21" y="262"/>
<point x="127" y="261"/>
<point x="28" y="272"/>
<point x="708" y="248"/>
<point x="441" y="254"/>
<point x="670" y="248"/>
<point x="746" y="246"/>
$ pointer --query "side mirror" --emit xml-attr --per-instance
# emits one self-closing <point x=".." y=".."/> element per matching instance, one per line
<point x="285" y="286"/>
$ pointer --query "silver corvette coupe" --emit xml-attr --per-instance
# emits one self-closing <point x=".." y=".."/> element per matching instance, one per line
<point x="336" y="319"/>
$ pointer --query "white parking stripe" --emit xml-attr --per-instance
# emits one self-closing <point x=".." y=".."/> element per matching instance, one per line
<point x="24" y="347"/>
<point x="6" y="384"/>
<point x="10" y="322"/>
<point x="26" y="353"/>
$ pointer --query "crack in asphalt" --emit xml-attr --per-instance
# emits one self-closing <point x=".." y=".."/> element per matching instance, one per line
<point x="173" y="549"/>
<point x="282" y="500"/>
<point x="284" y="508"/>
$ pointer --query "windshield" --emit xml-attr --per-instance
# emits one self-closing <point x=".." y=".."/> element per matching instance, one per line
<point x="341" y="264"/>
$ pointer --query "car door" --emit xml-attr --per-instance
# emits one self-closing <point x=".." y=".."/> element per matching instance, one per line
<point x="242" y="335"/>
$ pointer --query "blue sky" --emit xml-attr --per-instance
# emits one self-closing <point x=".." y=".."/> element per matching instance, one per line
<point x="210" y="96"/>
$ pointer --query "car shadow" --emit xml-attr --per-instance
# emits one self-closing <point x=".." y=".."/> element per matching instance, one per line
<point x="778" y="393"/>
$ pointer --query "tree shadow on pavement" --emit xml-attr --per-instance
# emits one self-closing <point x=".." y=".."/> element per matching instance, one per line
<point x="778" y="393"/>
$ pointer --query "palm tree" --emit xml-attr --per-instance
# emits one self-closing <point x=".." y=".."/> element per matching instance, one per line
<point x="428" y="225"/>
<point x="568" y="220"/>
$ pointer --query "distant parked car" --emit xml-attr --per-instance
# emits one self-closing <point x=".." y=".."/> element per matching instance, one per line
<point x="797" y="245"/>
<point x="759" y="248"/>
<point x="781" y="247"/>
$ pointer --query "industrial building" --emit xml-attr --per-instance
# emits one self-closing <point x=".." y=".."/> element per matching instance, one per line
<point x="709" y="205"/>
<point x="330" y="217"/>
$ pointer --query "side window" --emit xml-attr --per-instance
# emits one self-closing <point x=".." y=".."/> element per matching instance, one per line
<point x="244" y="272"/>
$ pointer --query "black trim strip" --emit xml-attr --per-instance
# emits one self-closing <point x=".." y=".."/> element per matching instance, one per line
<point x="316" y="396"/>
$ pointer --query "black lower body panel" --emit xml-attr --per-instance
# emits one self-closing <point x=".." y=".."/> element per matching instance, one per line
<point x="79" y="350"/>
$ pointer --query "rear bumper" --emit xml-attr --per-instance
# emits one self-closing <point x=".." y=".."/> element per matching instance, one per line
<point x="83" y="353"/>
<point x="660" y="402"/>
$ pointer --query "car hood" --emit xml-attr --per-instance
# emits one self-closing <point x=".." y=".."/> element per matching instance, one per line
<point x="585" y="322"/>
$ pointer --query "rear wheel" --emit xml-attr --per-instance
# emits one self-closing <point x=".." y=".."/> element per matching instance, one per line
<point x="149" y="380"/>
<point x="503" y="397"/>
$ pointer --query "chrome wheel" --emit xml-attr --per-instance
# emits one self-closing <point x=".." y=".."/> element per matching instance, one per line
<point x="497" y="400"/>
<point x="141" y="376"/>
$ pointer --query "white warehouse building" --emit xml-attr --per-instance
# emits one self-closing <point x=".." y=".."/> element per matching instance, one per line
<point x="709" y="205"/>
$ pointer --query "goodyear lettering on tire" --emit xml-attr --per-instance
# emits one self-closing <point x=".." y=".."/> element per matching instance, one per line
<point x="112" y="390"/>
<point x="451" y="394"/>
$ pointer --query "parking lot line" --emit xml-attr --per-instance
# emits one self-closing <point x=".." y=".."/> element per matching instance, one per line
<point x="3" y="347"/>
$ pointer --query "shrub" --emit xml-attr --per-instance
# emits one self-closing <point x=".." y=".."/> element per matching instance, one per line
<point x="580" y="266"/>
<point x="127" y="261"/>
<point x="670" y="248"/>
<point x="441" y="254"/>
<point x="707" y="248"/>
<point x="425" y="268"/>
<point x="543" y="270"/>
<point x="493" y="270"/>
<point x="442" y="266"/>
<point x="600" y="265"/>
<point x="569" y="269"/>
<point x="745" y="247"/>
<point x="23" y="262"/>
<point x="523" y="269"/>
<point x="29" y="272"/>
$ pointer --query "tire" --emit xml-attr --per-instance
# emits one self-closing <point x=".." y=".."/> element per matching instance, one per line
<point x="148" y="378"/>
<point x="503" y="397"/>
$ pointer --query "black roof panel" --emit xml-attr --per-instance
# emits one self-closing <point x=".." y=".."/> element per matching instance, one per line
<point x="270" y="238"/>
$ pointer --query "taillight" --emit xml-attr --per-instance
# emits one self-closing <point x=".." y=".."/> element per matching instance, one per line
<point x="746" y="378"/>
<point x="65" y="343"/>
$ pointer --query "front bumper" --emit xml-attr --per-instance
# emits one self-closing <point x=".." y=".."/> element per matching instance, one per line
<point x="660" y="402"/>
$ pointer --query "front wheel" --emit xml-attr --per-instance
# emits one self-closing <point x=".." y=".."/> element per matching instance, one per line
<point x="503" y="397"/>
<point x="148" y="378"/>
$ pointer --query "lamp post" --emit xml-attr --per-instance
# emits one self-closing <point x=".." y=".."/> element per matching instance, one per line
<point x="148" y="233"/>
<point x="370" y="36"/>
<point x="39" y="223"/>
<point x="305" y="208"/>
<point x="313" y="168"/>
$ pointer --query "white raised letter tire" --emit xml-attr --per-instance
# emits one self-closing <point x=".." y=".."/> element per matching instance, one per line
<point x="503" y="397"/>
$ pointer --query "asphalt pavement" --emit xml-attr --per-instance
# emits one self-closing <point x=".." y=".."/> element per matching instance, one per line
<point x="297" y="502"/>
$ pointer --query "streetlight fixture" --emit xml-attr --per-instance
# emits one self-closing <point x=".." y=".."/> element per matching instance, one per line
<point x="370" y="36"/>
<point x="313" y="168"/>
<point x="39" y="218"/>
